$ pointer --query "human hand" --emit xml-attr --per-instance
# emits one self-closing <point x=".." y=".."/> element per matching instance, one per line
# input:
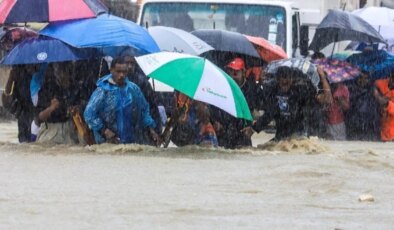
<point x="247" y="131"/>
<point x="321" y="72"/>
<point x="54" y="104"/>
<point x="218" y="127"/>
<point x="108" y="134"/>
<point x="155" y="137"/>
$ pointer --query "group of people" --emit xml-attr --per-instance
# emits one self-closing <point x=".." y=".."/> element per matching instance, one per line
<point x="71" y="96"/>
<point x="86" y="102"/>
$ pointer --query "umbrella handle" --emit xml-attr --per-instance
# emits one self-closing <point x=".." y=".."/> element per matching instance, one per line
<point x="11" y="91"/>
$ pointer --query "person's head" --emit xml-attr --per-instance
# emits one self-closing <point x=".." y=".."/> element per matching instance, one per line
<point x="119" y="70"/>
<point x="284" y="76"/>
<point x="317" y="55"/>
<point x="236" y="69"/>
<point x="131" y="64"/>
<point x="363" y="79"/>
<point x="128" y="56"/>
<point x="63" y="73"/>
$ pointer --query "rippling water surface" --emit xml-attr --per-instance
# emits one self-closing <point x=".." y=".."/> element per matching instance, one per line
<point x="308" y="184"/>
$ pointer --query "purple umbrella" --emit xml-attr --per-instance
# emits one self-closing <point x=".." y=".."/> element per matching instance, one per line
<point x="336" y="70"/>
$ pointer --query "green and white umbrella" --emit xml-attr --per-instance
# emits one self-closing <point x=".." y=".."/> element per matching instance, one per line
<point x="198" y="78"/>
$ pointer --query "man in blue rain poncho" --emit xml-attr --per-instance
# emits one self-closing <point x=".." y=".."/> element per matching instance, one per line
<point x="116" y="106"/>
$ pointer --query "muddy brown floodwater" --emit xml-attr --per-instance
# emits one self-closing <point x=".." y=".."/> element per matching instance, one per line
<point x="310" y="184"/>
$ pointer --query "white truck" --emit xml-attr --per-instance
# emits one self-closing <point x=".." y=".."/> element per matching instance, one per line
<point x="288" y="23"/>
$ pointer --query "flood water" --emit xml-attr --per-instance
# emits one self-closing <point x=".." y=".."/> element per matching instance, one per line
<point x="297" y="185"/>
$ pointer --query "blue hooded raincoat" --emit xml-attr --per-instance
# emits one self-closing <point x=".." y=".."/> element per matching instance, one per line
<point x="120" y="109"/>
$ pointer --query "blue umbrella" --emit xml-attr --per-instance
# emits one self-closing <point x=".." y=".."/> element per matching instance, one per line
<point x="109" y="33"/>
<point x="378" y="63"/>
<point x="44" y="50"/>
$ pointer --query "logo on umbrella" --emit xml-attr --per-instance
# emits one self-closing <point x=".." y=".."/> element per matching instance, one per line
<point x="42" y="56"/>
<point x="210" y="91"/>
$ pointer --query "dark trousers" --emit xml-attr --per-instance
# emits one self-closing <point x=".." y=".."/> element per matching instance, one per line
<point x="24" y="126"/>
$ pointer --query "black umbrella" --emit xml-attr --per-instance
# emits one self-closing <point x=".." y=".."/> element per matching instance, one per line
<point x="342" y="26"/>
<point x="228" y="45"/>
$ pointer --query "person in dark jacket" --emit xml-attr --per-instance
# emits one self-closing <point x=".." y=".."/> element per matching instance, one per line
<point x="362" y="119"/>
<point x="55" y="100"/>
<point x="286" y="99"/>
<point x="17" y="100"/>
<point x="227" y="127"/>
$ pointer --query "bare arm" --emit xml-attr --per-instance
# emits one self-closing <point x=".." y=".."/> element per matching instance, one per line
<point x="46" y="113"/>
<point x="326" y="96"/>
<point x="382" y="100"/>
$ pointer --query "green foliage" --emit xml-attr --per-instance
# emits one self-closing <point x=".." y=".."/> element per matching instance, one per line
<point x="122" y="8"/>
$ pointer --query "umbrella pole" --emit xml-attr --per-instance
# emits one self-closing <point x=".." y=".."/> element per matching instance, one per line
<point x="171" y="123"/>
<point x="333" y="48"/>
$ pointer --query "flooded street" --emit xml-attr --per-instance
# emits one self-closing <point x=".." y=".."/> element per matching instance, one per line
<point x="134" y="187"/>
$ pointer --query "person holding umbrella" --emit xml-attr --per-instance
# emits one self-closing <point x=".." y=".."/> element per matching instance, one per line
<point x="336" y="127"/>
<point x="56" y="98"/>
<point x="116" y="106"/>
<point x="227" y="127"/>
<point x="16" y="99"/>
<point x="286" y="101"/>
<point x="362" y="118"/>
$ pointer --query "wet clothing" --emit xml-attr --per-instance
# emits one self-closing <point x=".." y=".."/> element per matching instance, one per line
<point x="362" y="118"/>
<point x="66" y="97"/>
<point x="252" y="93"/>
<point x="193" y="125"/>
<point x="387" y="113"/>
<point x="21" y="105"/>
<point x="58" y="133"/>
<point x="58" y="128"/>
<point x="286" y="108"/>
<point x="335" y="113"/>
<point x="142" y="82"/>
<point x="207" y="135"/>
<point x="230" y="136"/>
<point x="337" y="131"/>
<point x="120" y="109"/>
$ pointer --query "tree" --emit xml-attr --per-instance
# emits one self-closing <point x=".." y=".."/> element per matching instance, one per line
<point x="122" y="8"/>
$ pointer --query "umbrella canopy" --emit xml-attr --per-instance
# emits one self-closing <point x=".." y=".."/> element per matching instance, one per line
<point x="268" y="51"/>
<point x="343" y="55"/>
<point x="227" y="41"/>
<point x="338" y="71"/>
<point x="9" y="37"/>
<point x="308" y="68"/>
<point x="109" y="33"/>
<point x="15" y="11"/>
<point x="44" y="50"/>
<point x="176" y="40"/>
<point x="341" y="26"/>
<point x="197" y="78"/>
<point x="381" y="18"/>
<point x="229" y="45"/>
<point x="378" y="63"/>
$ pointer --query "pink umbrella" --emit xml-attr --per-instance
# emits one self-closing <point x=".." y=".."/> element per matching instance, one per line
<point x="16" y="11"/>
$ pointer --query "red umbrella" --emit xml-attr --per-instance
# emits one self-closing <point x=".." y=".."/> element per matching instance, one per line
<point x="16" y="11"/>
<point x="9" y="37"/>
<point x="268" y="52"/>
